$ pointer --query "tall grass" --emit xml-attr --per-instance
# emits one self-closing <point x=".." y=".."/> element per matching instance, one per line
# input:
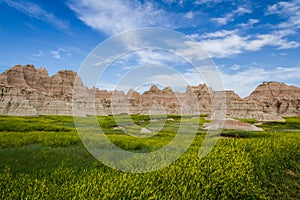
<point x="41" y="164"/>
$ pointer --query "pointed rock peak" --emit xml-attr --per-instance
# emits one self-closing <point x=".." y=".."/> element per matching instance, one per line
<point x="66" y="75"/>
<point x="230" y="94"/>
<point x="200" y="87"/>
<point x="189" y="89"/>
<point x="154" y="88"/>
<point x="131" y="92"/>
<point x="67" y="72"/>
<point x="15" y="76"/>
<point x="29" y="67"/>
<point x="203" y="86"/>
<point x="16" y="67"/>
<point x="167" y="90"/>
<point x="43" y="71"/>
<point x="271" y="90"/>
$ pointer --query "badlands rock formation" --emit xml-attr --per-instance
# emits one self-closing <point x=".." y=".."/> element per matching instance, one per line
<point x="25" y="90"/>
<point x="232" y="124"/>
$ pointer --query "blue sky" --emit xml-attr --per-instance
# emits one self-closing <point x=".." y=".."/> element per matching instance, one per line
<point x="249" y="41"/>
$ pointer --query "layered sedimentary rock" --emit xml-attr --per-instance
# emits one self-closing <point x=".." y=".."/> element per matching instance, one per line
<point x="27" y="101"/>
<point x="25" y="90"/>
<point x="277" y="98"/>
<point x="269" y="101"/>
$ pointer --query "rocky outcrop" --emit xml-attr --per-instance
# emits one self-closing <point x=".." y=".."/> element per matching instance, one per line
<point x="270" y="101"/>
<point x="277" y="98"/>
<point x="232" y="124"/>
<point x="25" y="90"/>
<point x="27" y="101"/>
<point x="60" y="85"/>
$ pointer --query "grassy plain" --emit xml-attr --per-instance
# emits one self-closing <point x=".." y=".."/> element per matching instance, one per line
<point x="44" y="158"/>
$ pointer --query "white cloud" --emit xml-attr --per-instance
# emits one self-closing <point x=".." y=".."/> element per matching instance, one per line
<point x="226" y="43"/>
<point x="38" y="54"/>
<point x="217" y="34"/>
<point x="242" y="11"/>
<point x="146" y="56"/>
<point x="56" y="54"/>
<point x="230" y="16"/>
<point x="116" y="16"/>
<point x="222" y="20"/>
<point x="189" y="15"/>
<point x="276" y="38"/>
<point x="224" y="47"/>
<point x="169" y="1"/>
<point x="289" y="10"/>
<point x="191" y="52"/>
<point x="279" y="54"/>
<point x="35" y="11"/>
<point x="200" y="2"/>
<point x="249" y="24"/>
<point x="283" y="7"/>
<point x="235" y="67"/>
<point x="244" y="82"/>
<point x="60" y="53"/>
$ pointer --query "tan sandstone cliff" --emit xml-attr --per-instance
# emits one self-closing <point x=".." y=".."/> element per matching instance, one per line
<point x="25" y="90"/>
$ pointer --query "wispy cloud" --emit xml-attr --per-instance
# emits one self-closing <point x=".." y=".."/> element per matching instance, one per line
<point x="276" y="38"/>
<point x="116" y="16"/>
<point x="60" y="53"/>
<point x="289" y="10"/>
<point x="207" y="2"/>
<point x="226" y="43"/>
<point x="38" y="54"/>
<point x="145" y="57"/>
<point x="217" y="34"/>
<point x="235" y="67"/>
<point x="35" y="11"/>
<point x="244" y="82"/>
<point x="224" y="46"/>
<point x="189" y="15"/>
<point x="229" y="17"/>
<point x="249" y="24"/>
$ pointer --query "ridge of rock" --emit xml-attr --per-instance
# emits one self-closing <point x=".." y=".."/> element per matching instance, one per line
<point x="25" y="90"/>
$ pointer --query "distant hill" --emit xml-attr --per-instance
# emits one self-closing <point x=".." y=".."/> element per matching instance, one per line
<point x="25" y="90"/>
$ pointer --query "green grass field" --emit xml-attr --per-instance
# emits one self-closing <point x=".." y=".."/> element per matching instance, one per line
<point x="43" y="158"/>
